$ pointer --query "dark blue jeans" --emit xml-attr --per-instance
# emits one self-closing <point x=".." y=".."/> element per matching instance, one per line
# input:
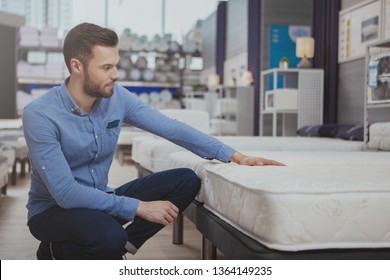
<point x="92" y="234"/>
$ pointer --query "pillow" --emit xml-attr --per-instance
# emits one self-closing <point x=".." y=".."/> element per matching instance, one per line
<point x="329" y="130"/>
<point x="349" y="132"/>
<point x="346" y="132"/>
<point x="309" y="131"/>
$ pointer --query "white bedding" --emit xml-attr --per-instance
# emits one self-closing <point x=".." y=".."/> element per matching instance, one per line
<point x="128" y="134"/>
<point x="11" y="124"/>
<point x="9" y="152"/>
<point x="19" y="145"/>
<point x="3" y="171"/>
<point x="11" y="134"/>
<point x="320" y="200"/>
<point x="145" y="156"/>
<point x="152" y="153"/>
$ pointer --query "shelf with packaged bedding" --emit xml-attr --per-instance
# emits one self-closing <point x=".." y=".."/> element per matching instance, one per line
<point x="153" y="70"/>
<point x="153" y="75"/>
<point x="158" y="78"/>
<point x="39" y="65"/>
<point x="377" y="89"/>
<point x="149" y="66"/>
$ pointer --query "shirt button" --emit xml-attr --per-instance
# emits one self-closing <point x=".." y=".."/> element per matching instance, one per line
<point x="96" y="136"/>
<point x="92" y="170"/>
<point x="43" y="167"/>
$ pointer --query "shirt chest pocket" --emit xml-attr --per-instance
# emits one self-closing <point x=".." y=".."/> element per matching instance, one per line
<point x="110" y="134"/>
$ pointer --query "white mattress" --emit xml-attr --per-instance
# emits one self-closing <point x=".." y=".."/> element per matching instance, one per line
<point x="380" y="136"/>
<point x="3" y="171"/>
<point x="194" y="118"/>
<point x="291" y="143"/>
<point x="11" y="124"/>
<point x="152" y="153"/>
<point x="135" y="147"/>
<point x="9" y="153"/>
<point x="319" y="200"/>
<point x="127" y="135"/>
<point x="19" y="145"/>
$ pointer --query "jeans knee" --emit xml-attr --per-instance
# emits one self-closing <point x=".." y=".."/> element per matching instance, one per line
<point x="109" y="244"/>
<point x="192" y="180"/>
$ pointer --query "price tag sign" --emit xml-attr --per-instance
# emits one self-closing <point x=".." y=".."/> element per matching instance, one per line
<point x="373" y="74"/>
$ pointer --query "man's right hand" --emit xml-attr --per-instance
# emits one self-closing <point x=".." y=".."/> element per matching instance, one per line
<point x="161" y="212"/>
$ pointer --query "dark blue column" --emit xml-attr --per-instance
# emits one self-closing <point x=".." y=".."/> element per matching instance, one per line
<point x="254" y="46"/>
<point x="220" y="52"/>
<point x="325" y="33"/>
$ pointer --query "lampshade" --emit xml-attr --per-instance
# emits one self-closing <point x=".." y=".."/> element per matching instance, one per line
<point x="305" y="47"/>
<point x="213" y="81"/>
<point x="247" y="78"/>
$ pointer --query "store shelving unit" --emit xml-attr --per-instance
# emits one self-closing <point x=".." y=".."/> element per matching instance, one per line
<point x="27" y="83"/>
<point x="9" y="27"/>
<point x="373" y="51"/>
<point x="307" y="85"/>
<point x="170" y="72"/>
<point x="178" y="75"/>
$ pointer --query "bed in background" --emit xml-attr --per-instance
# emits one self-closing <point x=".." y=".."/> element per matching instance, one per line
<point x="11" y="135"/>
<point x="150" y="154"/>
<point x="3" y="174"/>
<point x="125" y="142"/>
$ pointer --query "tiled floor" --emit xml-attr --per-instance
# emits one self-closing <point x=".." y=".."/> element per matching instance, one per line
<point x="16" y="242"/>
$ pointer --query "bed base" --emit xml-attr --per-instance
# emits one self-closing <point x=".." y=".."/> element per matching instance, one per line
<point x="236" y="245"/>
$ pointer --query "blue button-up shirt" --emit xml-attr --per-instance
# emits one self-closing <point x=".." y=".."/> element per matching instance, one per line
<point x="71" y="152"/>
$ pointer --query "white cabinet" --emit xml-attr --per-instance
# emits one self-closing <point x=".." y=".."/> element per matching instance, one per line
<point x="231" y="110"/>
<point x="223" y="118"/>
<point x="377" y="90"/>
<point x="294" y="94"/>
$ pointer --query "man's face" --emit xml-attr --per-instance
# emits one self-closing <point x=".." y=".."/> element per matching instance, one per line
<point x="101" y="73"/>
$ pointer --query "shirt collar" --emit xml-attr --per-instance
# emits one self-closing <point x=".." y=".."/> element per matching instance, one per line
<point x="69" y="102"/>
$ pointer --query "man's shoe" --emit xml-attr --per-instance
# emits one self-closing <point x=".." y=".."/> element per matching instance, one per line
<point x="44" y="252"/>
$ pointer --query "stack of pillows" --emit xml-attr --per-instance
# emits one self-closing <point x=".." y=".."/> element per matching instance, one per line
<point x="346" y="132"/>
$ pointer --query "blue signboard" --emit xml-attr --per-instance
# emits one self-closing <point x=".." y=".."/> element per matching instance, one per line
<point x="282" y="44"/>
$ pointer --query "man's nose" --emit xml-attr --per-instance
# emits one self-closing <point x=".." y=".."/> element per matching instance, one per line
<point x="115" y="74"/>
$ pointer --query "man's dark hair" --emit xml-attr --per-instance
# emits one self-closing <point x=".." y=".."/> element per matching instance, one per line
<point x="81" y="39"/>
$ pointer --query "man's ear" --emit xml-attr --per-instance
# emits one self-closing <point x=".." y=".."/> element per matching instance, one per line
<point x="76" y="65"/>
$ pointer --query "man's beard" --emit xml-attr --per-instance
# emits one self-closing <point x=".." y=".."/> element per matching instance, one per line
<point x="93" y="89"/>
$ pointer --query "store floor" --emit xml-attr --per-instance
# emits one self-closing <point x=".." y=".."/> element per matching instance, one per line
<point x="16" y="242"/>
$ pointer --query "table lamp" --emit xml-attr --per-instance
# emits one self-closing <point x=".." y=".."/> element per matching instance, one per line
<point x="213" y="81"/>
<point x="305" y="50"/>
